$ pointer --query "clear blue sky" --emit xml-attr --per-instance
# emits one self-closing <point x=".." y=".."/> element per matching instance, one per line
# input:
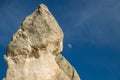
<point x="92" y="27"/>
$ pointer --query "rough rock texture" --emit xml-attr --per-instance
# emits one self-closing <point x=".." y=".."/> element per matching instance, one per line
<point x="34" y="52"/>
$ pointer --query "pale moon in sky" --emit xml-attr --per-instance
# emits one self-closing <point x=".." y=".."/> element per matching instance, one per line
<point x="69" y="45"/>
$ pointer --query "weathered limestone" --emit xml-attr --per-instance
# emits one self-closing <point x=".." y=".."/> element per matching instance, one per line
<point x="34" y="52"/>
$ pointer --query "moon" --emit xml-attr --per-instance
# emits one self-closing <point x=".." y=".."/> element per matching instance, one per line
<point x="69" y="45"/>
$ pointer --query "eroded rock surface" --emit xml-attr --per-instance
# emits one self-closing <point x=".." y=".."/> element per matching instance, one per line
<point x="34" y="52"/>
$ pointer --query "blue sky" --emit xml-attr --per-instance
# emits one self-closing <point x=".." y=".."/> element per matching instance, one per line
<point x="92" y="27"/>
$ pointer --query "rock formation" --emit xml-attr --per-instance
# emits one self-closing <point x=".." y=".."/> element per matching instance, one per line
<point x="34" y="51"/>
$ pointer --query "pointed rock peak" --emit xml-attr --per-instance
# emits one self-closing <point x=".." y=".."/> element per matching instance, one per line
<point x="42" y="6"/>
<point x="33" y="53"/>
<point x="42" y="9"/>
<point x="38" y="31"/>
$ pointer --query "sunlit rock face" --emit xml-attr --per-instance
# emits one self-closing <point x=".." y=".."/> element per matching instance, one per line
<point x="34" y="52"/>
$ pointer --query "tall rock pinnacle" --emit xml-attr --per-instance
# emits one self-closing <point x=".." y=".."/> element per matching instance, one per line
<point x="34" y="52"/>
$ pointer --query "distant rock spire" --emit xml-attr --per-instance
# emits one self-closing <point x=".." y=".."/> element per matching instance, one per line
<point x="34" y="52"/>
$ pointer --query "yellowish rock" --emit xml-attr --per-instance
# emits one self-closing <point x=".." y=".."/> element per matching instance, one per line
<point x="34" y="52"/>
